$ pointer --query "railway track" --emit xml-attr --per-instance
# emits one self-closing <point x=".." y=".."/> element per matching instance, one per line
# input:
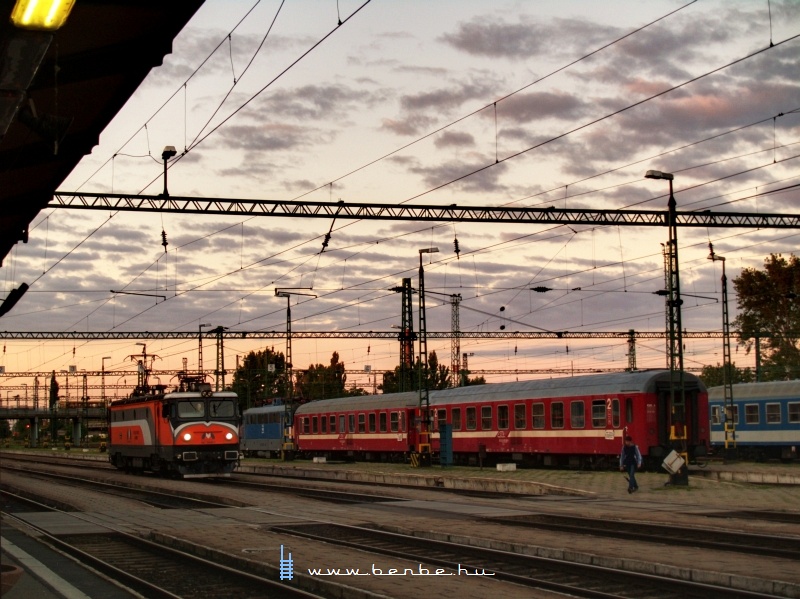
<point x="569" y="578"/>
<point x="752" y="544"/>
<point x="156" y="571"/>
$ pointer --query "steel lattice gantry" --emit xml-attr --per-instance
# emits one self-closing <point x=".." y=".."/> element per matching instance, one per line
<point x="227" y="334"/>
<point x="376" y="211"/>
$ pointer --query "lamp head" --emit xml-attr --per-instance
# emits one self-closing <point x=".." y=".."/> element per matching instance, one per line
<point x="428" y="250"/>
<point x="659" y="175"/>
<point x="169" y="152"/>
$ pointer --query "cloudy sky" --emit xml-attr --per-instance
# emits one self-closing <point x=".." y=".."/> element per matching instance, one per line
<point x="501" y="103"/>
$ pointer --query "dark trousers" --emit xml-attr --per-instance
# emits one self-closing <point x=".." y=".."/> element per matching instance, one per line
<point x="632" y="477"/>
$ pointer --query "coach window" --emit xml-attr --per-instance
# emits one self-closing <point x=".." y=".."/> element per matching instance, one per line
<point x="751" y="413"/>
<point x="537" y="414"/>
<point x="472" y="418"/>
<point x="314" y="428"/>
<point x="305" y="425"/>
<point x="557" y="414"/>
<point x="382" y="422"/>
<point x="794" y="412"/>
<point x="455" y="413"/>
<point x="351" y="423"/>
<point x="599" y="413"/>
<point x="502" y="417"/>
<point x="441" y="417"/>
<point x="576" y="415"/>
<point x="628" y="409"/>
<point x="519" y="416"/>
<point x="342" y="428"/>
<point x="615" y="413"/>
<point x="402" y="422"/>
<point x="372" y="422"/>
<point x="716" y="415"/>
<point x="773" y="413"/>
<point x="395" y="418"/>
<point x="486" y="418"/>
<point x="735" y="414"/>
<point x="362" y="423"/>
<point x="323" y="424"/>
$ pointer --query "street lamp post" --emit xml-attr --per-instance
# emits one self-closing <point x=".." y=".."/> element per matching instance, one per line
<point x="424" y="440"/>
<point x="677" y="429"/>
<point x="727" y="365"/>
<point x="287" y="450"/>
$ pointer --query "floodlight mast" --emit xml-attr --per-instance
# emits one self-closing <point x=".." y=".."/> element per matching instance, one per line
<point x="287" y="448"/>
<point x="424" y="440"/>
<point x="727" y="364"/>
<point x="677" y="429"/>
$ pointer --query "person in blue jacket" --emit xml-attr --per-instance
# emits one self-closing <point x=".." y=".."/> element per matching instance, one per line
<point x="630" y="458"/>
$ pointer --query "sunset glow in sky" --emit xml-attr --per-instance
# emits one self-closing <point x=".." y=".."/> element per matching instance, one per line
<point x="547" y="103"/>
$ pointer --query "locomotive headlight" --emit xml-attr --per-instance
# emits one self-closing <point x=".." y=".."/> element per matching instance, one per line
<point x="187" y="436"/>
<point x="229" y="436"/>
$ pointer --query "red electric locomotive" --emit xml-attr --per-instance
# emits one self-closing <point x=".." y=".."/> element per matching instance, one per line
<point x="577" y="421"/>
<point x="191" y="431"/>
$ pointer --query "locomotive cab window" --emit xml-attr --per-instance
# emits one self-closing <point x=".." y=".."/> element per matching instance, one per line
<point x="486" y="418"/>
<point x="751" y="413"/>
<point x="773" y="413"/>
<point x="502" y="417"/>
<point x="557" y="414"/>
<point x="576" y="415"/>
<point x="794" y="412"/>
<point x="191" y="408"/>
<point x="222" y="408"/>
<point x="520" y="417"/>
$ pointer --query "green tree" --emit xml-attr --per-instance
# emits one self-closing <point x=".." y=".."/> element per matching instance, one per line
<point x="260" y="377"/>
<point x="5" y="429"/>
<point x="438" y="376"/>
<point x="712" y="376"/>
<point x="769" y="302"/>
<point x="322" y="382"/>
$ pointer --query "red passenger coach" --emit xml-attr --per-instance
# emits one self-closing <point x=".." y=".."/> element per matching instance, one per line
<point x="191" y="431"/>
<point x="577" y="421"/>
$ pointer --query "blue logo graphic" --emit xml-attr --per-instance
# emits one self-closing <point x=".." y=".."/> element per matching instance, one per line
<point x="287" y="567"/>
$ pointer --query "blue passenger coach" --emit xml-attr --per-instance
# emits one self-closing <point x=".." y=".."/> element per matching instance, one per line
<point x="766" y="418"/>
<point x="263" y="430"/>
